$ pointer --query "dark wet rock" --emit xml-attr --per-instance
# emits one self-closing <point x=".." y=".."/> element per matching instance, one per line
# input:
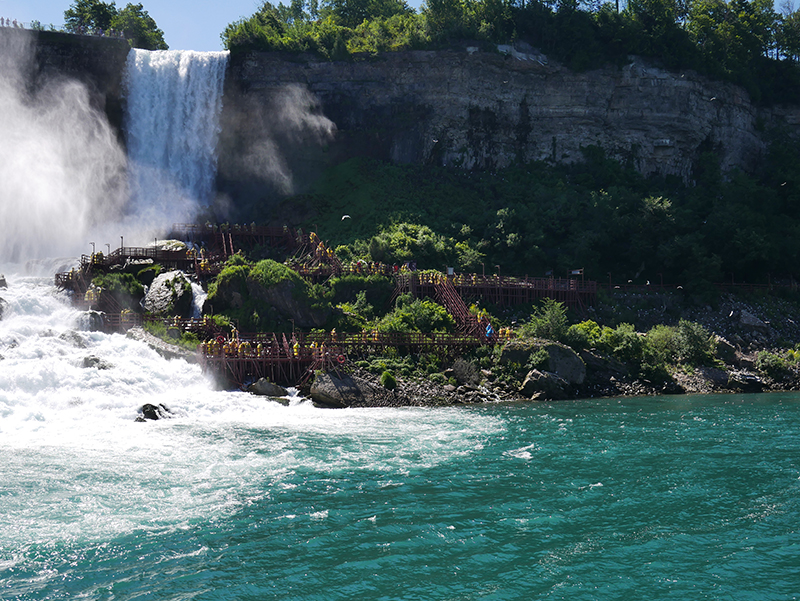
<point x="3" y="283"/>
<point x="92" y="321"/>
<point x="725" y="350"/>
<point x="169" y="294"/>
<point x="3" y="305"/>
<point x="264" y="387"/>
<point x="743" y="381"/>
<point x="153" y="412"/>
<point x="92" y="361"/>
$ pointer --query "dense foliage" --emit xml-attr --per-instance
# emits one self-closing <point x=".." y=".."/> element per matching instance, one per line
<point x="598" y="215"/>
<point x="747" y="42"/>
<point x="133" y="21"/>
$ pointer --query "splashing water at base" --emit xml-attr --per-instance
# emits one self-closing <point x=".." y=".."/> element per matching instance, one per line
<point x="79" y="467"/>
<point x="62" y="170"/>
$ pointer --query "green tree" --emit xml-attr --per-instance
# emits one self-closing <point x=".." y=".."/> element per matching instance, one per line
<point x="351" y="13"/>
<point x="787" y="36"/>
<point x="89" y="15"/>
<point x="547" y="321"/>
<point x="139" y="28"/>
<point x="446" y="18"/>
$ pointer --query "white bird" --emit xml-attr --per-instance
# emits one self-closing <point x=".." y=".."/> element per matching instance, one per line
<point x="345" y="217"/>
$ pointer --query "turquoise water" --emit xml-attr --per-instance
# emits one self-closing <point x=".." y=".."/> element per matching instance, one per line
<point x="653" y="498"/>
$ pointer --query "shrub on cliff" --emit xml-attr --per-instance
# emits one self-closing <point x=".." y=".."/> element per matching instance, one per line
<point x="416" y="316"/>
<point x="123" y="287"/>
<point x="549" y="320"/>
<point x="388" y="380"/>
<point x="695" y="345"/>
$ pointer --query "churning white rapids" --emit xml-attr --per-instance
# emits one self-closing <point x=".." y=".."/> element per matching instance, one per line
<point x="77" y="466"/>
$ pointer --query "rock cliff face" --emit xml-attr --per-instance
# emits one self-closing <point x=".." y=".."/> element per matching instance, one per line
<point x="476" y="109"/>
<point x="286" y="117"/>
<point x="99" y="63"/>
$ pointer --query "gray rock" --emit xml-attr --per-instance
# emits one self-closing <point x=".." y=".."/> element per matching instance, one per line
<point x="544" y="385"/>
<point x="718" y="378"/>
<point x="3" y="283"/>
<point x="3" y="305"/>
<point x="264" y="387"/>
<point x="96" y="362"/>
<point x="332" y="390"/>
<point x="566" y="364"/>
<point x="169" y="294"/>
<point x="73" y="338"/>
<point x="165" y="349"/>
<point x="599" y="364"/>
<point x="752" y="323"/>
<point x="725" y="350"/>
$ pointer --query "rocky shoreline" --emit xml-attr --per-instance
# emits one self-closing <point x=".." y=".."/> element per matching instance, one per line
<point x="741" y="331"/>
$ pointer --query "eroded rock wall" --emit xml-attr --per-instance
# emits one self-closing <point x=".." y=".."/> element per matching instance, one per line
<point x="482" y="110"/>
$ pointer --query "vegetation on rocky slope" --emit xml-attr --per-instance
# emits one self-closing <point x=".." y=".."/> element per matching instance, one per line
<point x="749" y="43"/>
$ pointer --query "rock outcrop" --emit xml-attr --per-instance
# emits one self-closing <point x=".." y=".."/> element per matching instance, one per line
<point x="473" y="109"/>
<point x="152" y="412"/>
<point x="264" y="387"/>
<point x="166" y="350"/>
<point x="286" y="117"/>
<point x="169" y="294"/>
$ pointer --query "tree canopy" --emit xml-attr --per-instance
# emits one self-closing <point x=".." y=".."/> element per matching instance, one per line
<point x="133" y="21"/>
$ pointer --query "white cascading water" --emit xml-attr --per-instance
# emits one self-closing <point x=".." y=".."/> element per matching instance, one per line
<point x="174" y="100"/>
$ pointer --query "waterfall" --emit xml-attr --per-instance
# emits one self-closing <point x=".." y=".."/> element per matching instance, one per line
<point x="174" y="102"/>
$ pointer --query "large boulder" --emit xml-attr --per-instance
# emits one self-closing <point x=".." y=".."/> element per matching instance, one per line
<point x="751" y="323"/>
<point x="543" y="385"/>
<point x="516" y="352"/>
<point x="169" y="294"/>
<point x="342" y="390"/>
<point x="264" y="387"/>
<point x="603" y="366"/>
<point x="725" y="351"/>
<point x="565" y="363"/>
<point x="3" y="305"/>
<point x="3" y="283"/>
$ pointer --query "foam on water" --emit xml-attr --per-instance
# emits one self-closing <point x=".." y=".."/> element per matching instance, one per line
<point x="78" y="466"/>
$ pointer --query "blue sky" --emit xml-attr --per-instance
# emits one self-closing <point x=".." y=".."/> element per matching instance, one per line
<point x="187" y="24"/>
